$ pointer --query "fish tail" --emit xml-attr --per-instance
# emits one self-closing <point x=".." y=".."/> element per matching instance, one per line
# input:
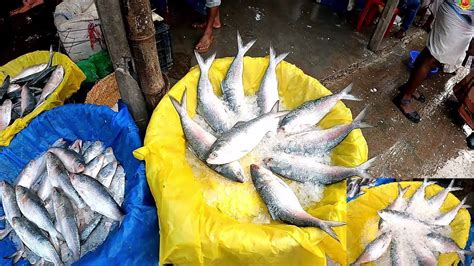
<point x="358" y="121"/>
<point x="462" y="257"/>
<point x="16" y="256"/>
<point x="345" y="94"/>
<point x="243" y="48"/>
<point x="274" y="59"/>
<point x="180" y="106"/>
<point x="4" y="232"/>
<point x="204" y="65"/>
<point x="51" y="53"/>
<point x="326" y="226"/>
<point x="362" y="169"/>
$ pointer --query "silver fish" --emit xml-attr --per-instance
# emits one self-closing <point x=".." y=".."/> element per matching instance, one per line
<point x="401" y="254"/>
<point x="400" y="202"/>
<point x="425" y="256"/>
<point x="33" y="209"/>
<point x="31" y="173"/>
<point x="10" y="206"/>
<point x="267" y="94"/>
<point x="442" y="244"/>
<point x="28" y="101"/>
<point x="419" y="196"/>
<point x="34" y="239"/>
<point x="305" y="170"/>
<point x="310" y="113"/>
<point x="90" y="227"/>
<point x="5" y="114"/>
<point x="94" y="166"/>
<point x="76" y="146"/>
<point x="73" y="161"/>
<point x="97" y="236"/>
<point x="97" y="196"/>
<point x="209" y="106"/>
<point x="85" y="146"/>
<point x="392" y="216"/>
<point x="243" y="138"/>
<point x="94" y="150"/>
<point x="283" y="204"/>
<point x="375" y="249"/>
<point x="53" y="82"/>
<point x="321" y="140"/>
<point x="109" y="156"/>
<point x="29" y="71"/>
<point x="66" y="218"/>
<point x="45" y="189"/>
<point x="107" y="173"/>
<point x="437" y="200"/>
<point x="117" y="187"/>
<point x="232" y="86"/>
<point x="14" y="91"/>
<point x="447" y="217"/>
<point x="58" y="177"/>
<point x="200" y="141"/>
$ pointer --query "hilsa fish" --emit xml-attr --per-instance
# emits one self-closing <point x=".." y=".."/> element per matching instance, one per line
<point x="282" y="203"/>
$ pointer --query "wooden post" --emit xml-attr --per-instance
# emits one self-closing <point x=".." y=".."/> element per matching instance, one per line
<point x="141" y="30"/>
<point x="113" y="29"/>
<point x="383" y="24"/>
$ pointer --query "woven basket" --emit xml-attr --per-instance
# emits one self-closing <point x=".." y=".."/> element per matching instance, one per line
<point x="105" y="92"/>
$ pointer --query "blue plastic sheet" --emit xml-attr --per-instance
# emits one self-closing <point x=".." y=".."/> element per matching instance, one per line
<point x="135" y="242"/>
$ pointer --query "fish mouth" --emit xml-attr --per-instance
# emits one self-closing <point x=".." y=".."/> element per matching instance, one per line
<point x="267" y="160"/>
<point x="281" y="130"/>
<point x="72" y="176"/>
<point x="254" y="167"/>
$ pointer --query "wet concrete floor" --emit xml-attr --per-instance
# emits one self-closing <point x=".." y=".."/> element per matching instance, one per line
<point x="324" y="45"/>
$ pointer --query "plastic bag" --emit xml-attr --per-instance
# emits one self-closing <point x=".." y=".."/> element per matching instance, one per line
<point x="135" y="242"/>
<point x="71" y="83"/>
<point x="362" y="218"/>
<point x="192" y="232"/>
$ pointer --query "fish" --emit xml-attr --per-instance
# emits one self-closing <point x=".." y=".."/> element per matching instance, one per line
<point x="58" y="177"/>
<point x="401" y="254"/>
<point x="305" y="170"/>
<point x="400" y="202"/>
<point x="30" y="73"/>
<point x="447" y="217"/>
<point x="4" y="87"/>
<point x="442" y="244"/>
<point x="243" y="138"/>
<point x="200" y="141"/>
<point x="321" y="140"/>
<point x="14" y="91"/>
<point x="437" y="200"/>
<point x="28" y="101"/>
<point x="107" y="173"/>
<point x="53" y="82"/>
<point x="419" y="195"/>
<point x="95" y="149"/>
<point x="45" y="189"/>
<point x="425" y="256"/>
<point x="397" y="217"/>
<point x="73" y="161"/>
<point x="42" y="76"/>
<point x="267" y="94"/>
<point x="97" y="196"/>
<point x="117" y="187"/>
<point x="32" y="207"/>
<point x="97" y="236"/>
<point x="310" y="113"/>
<point x="109" y="156"/>
<point x="5" y="114"/>
<point x="66" y="218"/>
<point x="90" y="227"/>
<point x="232" y="86"/>
<point x="85" y="146"/>
<point x="375" y="249"/>
<point x="209" y="106"/>
<point x="94" y="166"/>
<point x="17" y="255"/>
<point x="76" y="146"/>
<point x="34" y="239"/>
<point x="10" y="206"/>
<point x="282" y="203"/>
<point x="31" y="173"/>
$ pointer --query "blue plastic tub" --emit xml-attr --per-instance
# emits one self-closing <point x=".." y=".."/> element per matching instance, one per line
<point x="411" y="64"/>
<point x="136" y="241"/>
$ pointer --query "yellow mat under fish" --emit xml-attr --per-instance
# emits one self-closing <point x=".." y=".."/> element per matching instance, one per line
<point x="194" y="233"/>
<point x="72" y="80"/>
<point x="362" y="218"/>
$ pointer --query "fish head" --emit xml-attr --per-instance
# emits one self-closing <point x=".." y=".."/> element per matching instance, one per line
<point x="268" y="161"/>
<point x="15" y="221"/>
<point x="254" y="172"/>
<point x="281" y="131"/>
<point x="20" y="191"/>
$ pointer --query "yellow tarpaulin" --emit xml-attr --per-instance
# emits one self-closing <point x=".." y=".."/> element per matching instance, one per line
<point x="362" y="218"/>
<point x="195" y="233"/>
<point x="72" y="80"/>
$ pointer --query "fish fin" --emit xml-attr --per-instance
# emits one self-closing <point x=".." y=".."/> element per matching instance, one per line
<point x="16" y="256"/>
<point x="51" y="54"/>
<point x="362" y="169"/>
<point x="243" y="48"/>
<point x="455" y="189"/>
<point x="465" y="206"/>
<point x="275" y="107"/>
<point x="462" y="257"/>
<point x="345" y="94"/>
<point x="404" y="190"/>
<point x="179" y="106"/>
<point x="5" y="232"/>
<point x="204" y="65"/>
<point x="272" y="55"/>
<point x="358" y="121"/>
<point x="326" y="226"/>
<point x="281" y="58"/>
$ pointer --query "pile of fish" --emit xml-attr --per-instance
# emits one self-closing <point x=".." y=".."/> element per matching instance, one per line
<point x="22" y="94"/>
<point x="64" y="203"/>
<point x="233" y="134"/>
<point x="356" y="186"/>
<point x="413" y="231"/>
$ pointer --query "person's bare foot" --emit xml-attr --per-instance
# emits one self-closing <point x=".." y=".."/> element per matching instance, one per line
<point x="202" y="25"/>
<point x="204" y="43"/>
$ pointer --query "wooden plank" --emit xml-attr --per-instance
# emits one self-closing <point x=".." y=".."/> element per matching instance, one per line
<point x="383" y="24"/>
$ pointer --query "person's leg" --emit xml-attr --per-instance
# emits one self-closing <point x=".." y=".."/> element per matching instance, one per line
<point x="410" y="11"/>
<point x="207" y="38"/>
<point x="216" y="24"/>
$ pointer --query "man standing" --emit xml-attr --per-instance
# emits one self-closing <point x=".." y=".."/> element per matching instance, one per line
<point x="448" y="43"/>
<point x="213" y="22"/>
<point x="409" y="8"/>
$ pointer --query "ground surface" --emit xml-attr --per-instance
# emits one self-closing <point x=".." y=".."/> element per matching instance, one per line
<point x="324" y="45"/>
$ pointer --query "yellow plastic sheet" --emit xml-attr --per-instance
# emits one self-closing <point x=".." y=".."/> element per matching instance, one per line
<point x="194" y="233"/>
<point x="362" y="218"/>
<point x="72" y="80"/>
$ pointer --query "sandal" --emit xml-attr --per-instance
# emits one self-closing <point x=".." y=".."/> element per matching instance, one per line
<point x="205" y="49"/>
<point x="417" y="95"/>
<point x="412" y="116"/>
